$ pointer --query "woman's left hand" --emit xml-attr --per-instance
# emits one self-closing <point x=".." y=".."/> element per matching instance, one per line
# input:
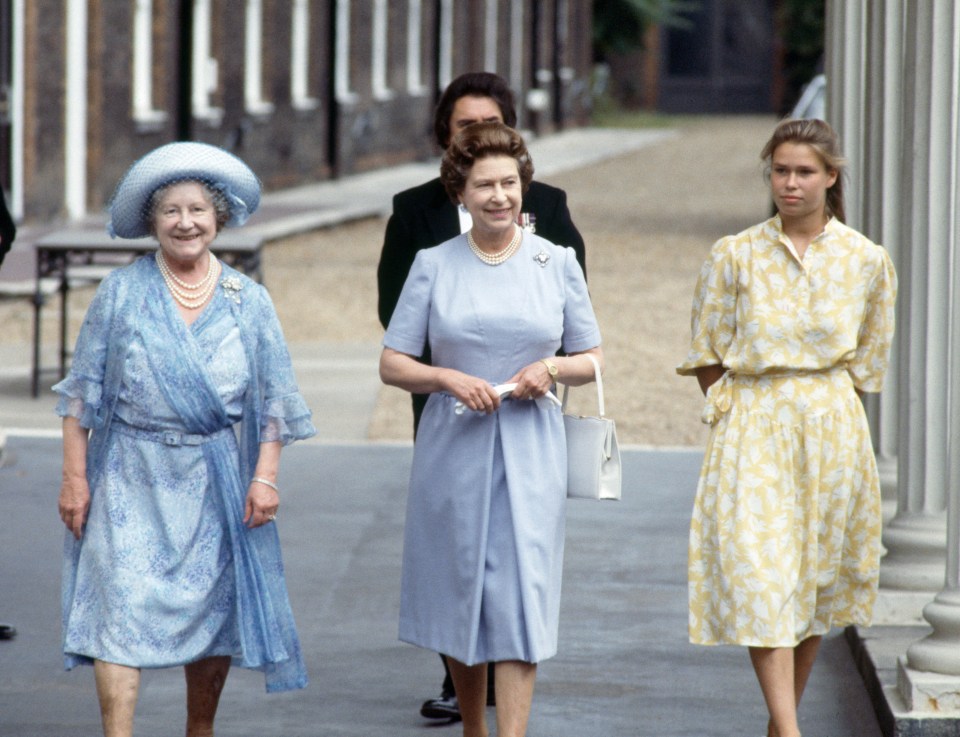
<point x="262" y="505"/>
<point x="533" y="381"/>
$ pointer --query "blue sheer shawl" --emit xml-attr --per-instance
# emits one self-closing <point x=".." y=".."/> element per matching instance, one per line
<point x="126" y="304"/>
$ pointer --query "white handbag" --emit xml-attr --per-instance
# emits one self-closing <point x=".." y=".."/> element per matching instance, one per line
<point x="593" y="455"/>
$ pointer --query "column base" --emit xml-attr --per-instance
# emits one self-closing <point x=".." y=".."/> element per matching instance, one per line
<point x="877" y="652"/>
<point x="901" y="607"/>
<point x="915" y="560"/>
<point x="926" y="692"/>
<point x="939" y="652"/>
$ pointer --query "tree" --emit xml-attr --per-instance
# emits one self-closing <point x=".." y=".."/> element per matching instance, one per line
<point x="619" y="25"/>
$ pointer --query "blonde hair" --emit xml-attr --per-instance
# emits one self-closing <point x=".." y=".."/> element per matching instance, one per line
<point x="818" y="135"/>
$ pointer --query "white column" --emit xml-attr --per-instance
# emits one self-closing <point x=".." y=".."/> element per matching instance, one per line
<point x="75" y="124"/>
<point x="940" y="651"/>
<point x="882" y="193"/>
<point x="915" y="538"/>
<point x="845" y="86"/>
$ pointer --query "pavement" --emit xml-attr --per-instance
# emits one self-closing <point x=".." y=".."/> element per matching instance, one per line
<point x="624" y="666"/>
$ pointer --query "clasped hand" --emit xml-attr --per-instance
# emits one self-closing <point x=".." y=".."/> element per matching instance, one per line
<point x="533" y="381"/>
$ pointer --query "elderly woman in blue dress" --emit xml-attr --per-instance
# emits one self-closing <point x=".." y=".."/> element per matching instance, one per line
<point x="483" y="548"/>
<point x="179" y="398"/>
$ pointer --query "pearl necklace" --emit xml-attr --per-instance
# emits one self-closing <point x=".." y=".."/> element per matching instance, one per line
<point x="495" y="259"/>
<point x="191" y="296"/>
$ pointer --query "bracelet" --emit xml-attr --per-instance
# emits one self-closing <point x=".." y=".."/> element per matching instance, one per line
<point x="261" y="480"/>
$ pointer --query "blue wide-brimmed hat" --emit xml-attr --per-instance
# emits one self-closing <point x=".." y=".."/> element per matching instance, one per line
<point x="176" y="162"/>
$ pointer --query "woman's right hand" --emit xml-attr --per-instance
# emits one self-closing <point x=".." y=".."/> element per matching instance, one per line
<point x="74" y="504"/>
<point x="74" y="491"/>
<point x="475" y="393"/>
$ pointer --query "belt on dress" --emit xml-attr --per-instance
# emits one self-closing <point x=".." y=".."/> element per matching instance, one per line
<point x="719" y="397"/>
<point x="168" y="437"/>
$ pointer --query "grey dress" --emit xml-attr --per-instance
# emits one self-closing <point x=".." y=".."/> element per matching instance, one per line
<point x="483" y="546"/>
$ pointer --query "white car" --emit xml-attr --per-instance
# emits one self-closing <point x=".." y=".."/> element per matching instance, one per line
<point x="812" y="101"/>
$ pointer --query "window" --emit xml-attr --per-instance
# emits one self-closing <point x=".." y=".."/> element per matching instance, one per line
<point x="205" y="70"/>
<point x="414" y="36"/>
<point x="381" y="39"/>
<point x="142" y="86"/>
<point x="445" y="71"/>
<point x="253" y="61"/>
<point x="490" y="36"/>
<point x="341" y="71"/>
<point x="300" y="58"/>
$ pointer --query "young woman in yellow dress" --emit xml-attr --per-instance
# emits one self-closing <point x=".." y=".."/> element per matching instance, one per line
<point x="792" y="320"/>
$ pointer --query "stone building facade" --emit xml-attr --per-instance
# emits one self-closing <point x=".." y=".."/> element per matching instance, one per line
<point x="303" y="90"/>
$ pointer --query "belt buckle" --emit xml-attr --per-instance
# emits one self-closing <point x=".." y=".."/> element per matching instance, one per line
<point x="171" y="438"/>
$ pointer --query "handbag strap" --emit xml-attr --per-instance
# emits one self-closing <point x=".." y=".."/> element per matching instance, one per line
<point x="599" y="381"/>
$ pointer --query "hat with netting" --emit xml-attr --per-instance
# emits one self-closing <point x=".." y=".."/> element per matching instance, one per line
<point x="178" y="162"/>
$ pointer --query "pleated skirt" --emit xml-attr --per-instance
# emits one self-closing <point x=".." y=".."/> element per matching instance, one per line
<point x="785" y="532"/>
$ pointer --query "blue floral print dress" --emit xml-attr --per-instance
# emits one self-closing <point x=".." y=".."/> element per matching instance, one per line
<point x="166" y="572"/>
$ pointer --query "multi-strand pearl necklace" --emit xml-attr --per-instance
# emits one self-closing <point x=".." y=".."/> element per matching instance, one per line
<point x="191" y="296"/>
<point x="495" y="259"/>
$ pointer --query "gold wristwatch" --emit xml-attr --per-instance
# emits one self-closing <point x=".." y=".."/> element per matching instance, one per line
<point x="551" y="367"/>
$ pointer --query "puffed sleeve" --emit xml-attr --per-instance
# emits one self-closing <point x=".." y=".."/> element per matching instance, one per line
<point x="284" y="414"/>
<point x="407" y="331"/>
<point x="713" y="317"/>
<point x="580" y="329"/>
<point x="81" y="392"/>
<point x="869" y="363"/>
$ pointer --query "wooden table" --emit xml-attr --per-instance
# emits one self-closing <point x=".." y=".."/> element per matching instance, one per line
<point x="70" y="258"/>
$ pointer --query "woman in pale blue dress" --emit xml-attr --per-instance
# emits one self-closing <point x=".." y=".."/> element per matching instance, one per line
<point x="178" y="401"/>
<point x="483" y="547"/>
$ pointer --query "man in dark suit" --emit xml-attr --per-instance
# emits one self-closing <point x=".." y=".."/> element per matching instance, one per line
<point x="8" y="232"/>
<point x="424" y="216"/>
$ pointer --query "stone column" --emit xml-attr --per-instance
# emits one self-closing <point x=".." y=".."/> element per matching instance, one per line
<point x="940" y="651"/>
<point x="844" y="71"/>
<point x="880" y="203"/>
<point x="915" y="537"/>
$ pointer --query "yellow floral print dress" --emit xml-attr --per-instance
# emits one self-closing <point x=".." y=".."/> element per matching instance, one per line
<point x="785" y="533"/>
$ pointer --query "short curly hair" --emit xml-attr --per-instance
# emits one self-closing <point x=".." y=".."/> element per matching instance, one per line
<point x="480" y="141"/>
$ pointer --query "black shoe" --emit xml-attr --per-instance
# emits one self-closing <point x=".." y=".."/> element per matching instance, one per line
<point x="444" y="707"/>
<point x="8" y="632"/>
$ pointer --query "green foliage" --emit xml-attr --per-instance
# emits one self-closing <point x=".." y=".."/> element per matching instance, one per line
<point x="802" y="26"/>
<point x="619" y="25"/>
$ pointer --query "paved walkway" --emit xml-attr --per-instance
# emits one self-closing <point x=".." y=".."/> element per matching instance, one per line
<point x="624" y="667"/>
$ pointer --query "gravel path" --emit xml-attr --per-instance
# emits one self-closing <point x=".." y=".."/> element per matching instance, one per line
<point x="648" y="219"/>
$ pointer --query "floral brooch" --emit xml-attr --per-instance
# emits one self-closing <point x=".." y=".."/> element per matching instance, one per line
<point x="231" y="288"/>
